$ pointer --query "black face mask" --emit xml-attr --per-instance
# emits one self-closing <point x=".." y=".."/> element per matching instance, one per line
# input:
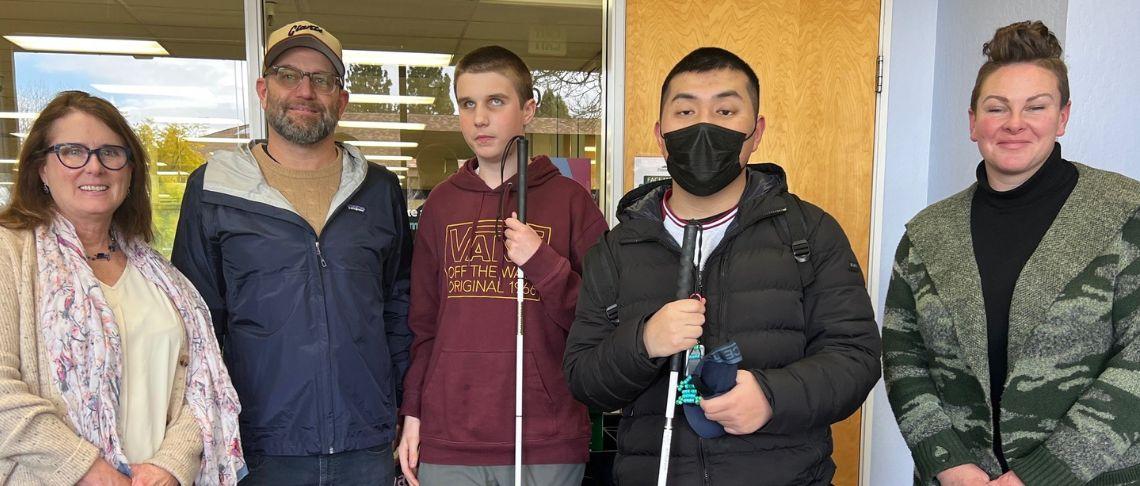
<point x="704" y="158"/>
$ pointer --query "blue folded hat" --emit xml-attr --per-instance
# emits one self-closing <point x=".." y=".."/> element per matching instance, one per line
<point x="713" y="376"/>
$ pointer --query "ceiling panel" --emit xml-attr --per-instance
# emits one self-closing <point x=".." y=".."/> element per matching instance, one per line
<point x="399" y="9"/>
<point x="73" y="29"/>
<point x="214" y="28"/>
<point x="478" y="30"/>
<point x="530" y="14"/>
<point x="159" y="17"/>
<point x="358" y="27"/>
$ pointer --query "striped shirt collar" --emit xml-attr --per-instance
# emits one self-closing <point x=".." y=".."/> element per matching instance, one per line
<point x="706" y="223"/>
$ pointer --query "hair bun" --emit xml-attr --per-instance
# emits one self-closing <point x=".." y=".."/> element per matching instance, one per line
<point x="1022" y="41"/>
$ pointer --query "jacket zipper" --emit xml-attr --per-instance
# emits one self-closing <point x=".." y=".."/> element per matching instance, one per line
<point x="321" y="257"/>
<point x="701" y="460"/>
<point x="722" y="309"/>
<point x="328" y="399"/>
<point x="327" y="395"/>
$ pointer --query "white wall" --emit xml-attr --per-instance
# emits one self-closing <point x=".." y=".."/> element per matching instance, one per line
<point x="963" y="26"/>
<point x="909" y="68"/>
<point x="1103" y="54"/>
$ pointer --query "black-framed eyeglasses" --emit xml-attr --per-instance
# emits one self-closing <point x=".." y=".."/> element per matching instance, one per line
<point x="76" y="155"/>
<point x="289" y="78"/>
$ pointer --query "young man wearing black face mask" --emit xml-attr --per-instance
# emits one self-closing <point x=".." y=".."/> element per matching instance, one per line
<point x="776" y="276"/>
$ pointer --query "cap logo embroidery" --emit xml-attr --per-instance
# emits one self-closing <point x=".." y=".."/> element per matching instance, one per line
<point x="300" y="28"/>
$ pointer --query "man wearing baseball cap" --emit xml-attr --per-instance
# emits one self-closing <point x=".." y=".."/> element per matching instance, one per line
<point x="301" y="250"/>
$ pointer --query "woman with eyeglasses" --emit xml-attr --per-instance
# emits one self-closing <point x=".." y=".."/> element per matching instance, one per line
<point x="109" y="369"/>
<point x="1011" y="337"/>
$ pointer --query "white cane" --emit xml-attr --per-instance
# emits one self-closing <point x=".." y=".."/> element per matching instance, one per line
<point x="522" y="150"/>
<point x="677" y="361"/>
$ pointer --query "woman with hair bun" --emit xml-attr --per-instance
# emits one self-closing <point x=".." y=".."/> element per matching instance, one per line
<point x="1012" y="332"/>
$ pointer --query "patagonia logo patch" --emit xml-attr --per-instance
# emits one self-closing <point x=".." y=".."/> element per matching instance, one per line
<point x="353" y="207"/>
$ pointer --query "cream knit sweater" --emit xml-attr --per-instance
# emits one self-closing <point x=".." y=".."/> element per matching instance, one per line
<point x="37" y="443"/>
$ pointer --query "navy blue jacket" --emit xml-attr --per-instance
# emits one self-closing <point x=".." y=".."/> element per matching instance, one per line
<point x="313" y="329"/>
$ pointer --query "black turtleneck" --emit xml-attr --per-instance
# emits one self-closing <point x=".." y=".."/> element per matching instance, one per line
<point x="1006" y="228"/>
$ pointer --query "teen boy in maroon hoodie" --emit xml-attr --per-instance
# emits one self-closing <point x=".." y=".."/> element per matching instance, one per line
<point x="458" y="404"/>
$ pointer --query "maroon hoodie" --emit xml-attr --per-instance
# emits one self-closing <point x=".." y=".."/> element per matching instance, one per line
<point x="461" y="382"/>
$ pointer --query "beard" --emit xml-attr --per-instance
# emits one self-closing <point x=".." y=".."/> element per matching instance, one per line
<point x="303" y="131"/>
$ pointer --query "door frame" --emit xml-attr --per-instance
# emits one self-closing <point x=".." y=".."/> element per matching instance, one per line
<point x="876" y="285"/>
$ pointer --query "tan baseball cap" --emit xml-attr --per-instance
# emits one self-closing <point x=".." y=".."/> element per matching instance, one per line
<point x="303" y="34"/>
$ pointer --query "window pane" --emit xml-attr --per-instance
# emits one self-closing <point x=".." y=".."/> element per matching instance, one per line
<point x="198" y="89"/>
<point x="560" y="40"/>
<point x="191" y="102"/>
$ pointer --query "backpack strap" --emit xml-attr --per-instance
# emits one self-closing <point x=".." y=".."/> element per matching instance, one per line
<point x="610" y="286"/>
<point x="798" y="234"/>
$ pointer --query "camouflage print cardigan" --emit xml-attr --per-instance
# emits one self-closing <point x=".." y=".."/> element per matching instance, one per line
<point x="1071" y="406"/>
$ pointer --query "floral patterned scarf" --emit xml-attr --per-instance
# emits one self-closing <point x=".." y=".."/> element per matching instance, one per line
<point x="82" y="344"/>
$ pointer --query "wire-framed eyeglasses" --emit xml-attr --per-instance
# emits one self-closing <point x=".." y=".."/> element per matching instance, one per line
<point x="289" y="78"/>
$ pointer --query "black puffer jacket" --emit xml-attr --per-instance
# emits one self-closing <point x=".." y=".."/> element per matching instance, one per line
<point x="814" y="350"/>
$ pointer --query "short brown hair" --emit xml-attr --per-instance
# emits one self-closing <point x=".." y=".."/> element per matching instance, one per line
<point x="1023" y="42"/>
<point x="30" y="206"/>
<point x="498" y="59"/>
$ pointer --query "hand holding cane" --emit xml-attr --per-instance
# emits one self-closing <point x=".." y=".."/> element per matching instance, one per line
<point x="677" y="361"/>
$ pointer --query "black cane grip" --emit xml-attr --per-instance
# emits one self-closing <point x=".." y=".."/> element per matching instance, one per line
<point x="685" y="280"/>
<point x="523" y="152"/>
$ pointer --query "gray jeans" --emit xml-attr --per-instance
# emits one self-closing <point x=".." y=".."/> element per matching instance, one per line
<point x="537" y="474"/>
